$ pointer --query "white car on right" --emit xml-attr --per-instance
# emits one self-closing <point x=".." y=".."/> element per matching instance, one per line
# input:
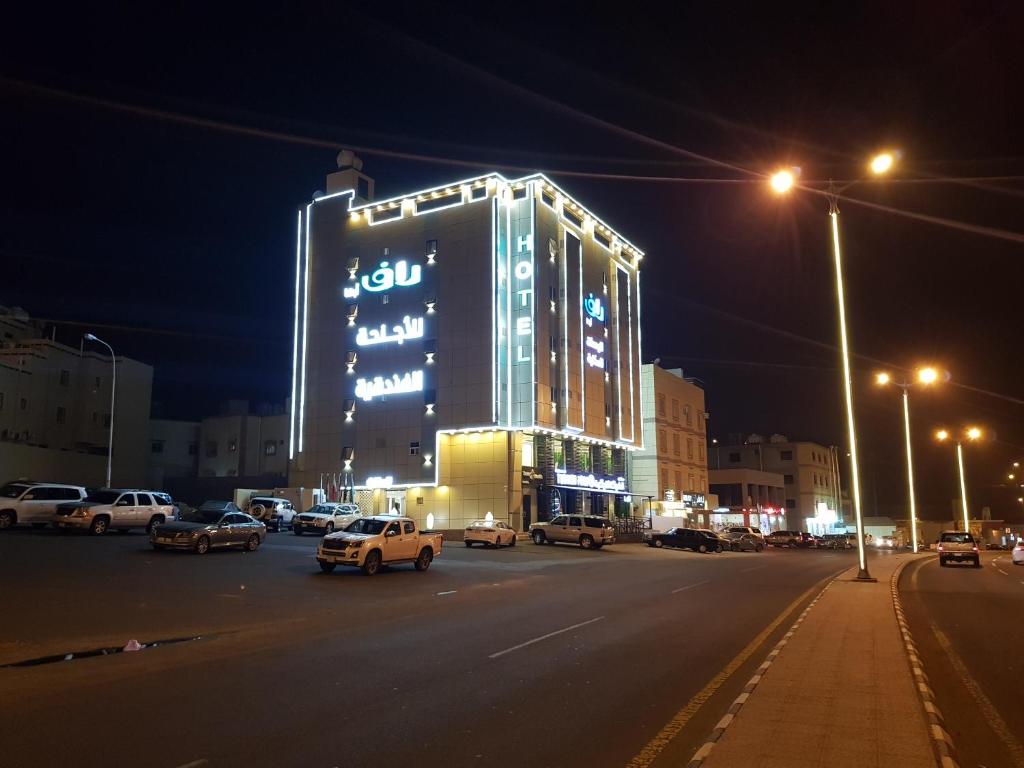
<point x="325" y="518"/>
<point x="1018" y="553"/>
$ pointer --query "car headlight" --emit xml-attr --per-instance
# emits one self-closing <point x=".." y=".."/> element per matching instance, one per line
<point x="355" y="544"/>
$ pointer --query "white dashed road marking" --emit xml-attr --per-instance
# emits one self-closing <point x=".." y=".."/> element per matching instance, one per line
<point x="690" y="586"/>
<point x="449" y="592"/>
<point x="544" y="637"/>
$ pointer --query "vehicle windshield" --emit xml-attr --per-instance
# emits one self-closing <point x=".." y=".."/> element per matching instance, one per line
<point x="956" y="538"/>
<point x="103" y="497"/>
<point x="219" y="506"/>
<point x="204" y="516"/>
<point x="12" y="490"/>
<point x="366" y="525"/>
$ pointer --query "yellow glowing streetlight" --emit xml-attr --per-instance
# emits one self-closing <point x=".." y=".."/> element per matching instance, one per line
<point x="882" y="163"/>
<point x="972" y="434"/>
<point x="1010" y="476"/>
<point x="782" y="181"/>
<point x="925" y="376"/>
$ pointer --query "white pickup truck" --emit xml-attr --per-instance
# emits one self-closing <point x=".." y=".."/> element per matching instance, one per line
<point x="370" y="542"/>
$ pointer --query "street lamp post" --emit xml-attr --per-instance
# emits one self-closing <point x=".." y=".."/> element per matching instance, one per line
<point x="782" y="182"/>
<point x="113" y="390"/>
<point x="925" y="376"/>
<point x="972" y="434"/>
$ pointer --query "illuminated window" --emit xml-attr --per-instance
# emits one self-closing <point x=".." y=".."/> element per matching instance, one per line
<point x="431" y="247"/>
<point x="414" y="449"/>
<point x="270" y="448"/>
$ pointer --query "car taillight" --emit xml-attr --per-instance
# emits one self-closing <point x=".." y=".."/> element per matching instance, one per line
<point x="974" y="548"/>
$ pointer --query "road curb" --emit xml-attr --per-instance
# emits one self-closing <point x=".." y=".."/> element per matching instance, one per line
<point x="730" y="716"/>
<point x="942" y="742"/>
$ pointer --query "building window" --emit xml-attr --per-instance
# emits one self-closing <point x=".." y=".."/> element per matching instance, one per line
<point x="62" y="415"/>
<point x="703" y="483"/>
<point x="664" y="480"/>
<point x="414" y="449"/>
<point x="661" y="441"/>
<point x="23" y="404"/>
<point x="157" y="446"/>
<point x="700" y="420"/>
<point x="270" y="448"/>
<point x="65" y="378"/>
<point x="431" y="247"/>
<point x="193" y="449"/>
<point x="786" y="455"/>
<point x="689" y="482"/>
<point x="1" y="401"/>
<point x="675" y="444"/>
<point x="734" y="458"/>
<point x="679" y="480"/>
<point x="689" y="415"/>
<point x="675" y="409"/>
<point x="790" y="503"/>
<point x="211" y="449"/>
<point x="232" y="445"/>
<point x="661" y="405"/>
<point x="98" y="381"/>
<point x="700" y="451"/>
<point x="689" y="448"/>
<point x="787" y="479"/>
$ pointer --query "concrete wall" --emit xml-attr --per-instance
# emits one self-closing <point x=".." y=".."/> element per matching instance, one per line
<point x="48" y="464"/>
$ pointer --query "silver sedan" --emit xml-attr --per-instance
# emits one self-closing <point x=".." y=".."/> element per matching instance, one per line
<point x="206" y="528"/>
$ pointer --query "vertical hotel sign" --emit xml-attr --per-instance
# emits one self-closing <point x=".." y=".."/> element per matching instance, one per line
<point x="514" y="306"/>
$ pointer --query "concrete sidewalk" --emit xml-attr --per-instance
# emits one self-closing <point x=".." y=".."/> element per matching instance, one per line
<point x="840" y="691"/>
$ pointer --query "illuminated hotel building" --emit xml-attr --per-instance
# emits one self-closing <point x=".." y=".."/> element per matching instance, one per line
<point x="466" y="349"/>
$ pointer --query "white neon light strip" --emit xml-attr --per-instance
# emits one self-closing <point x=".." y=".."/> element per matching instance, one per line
<point x="295" y="339"/>
<point x="305" y="329"/>
<point x="639" y="345"/>
<point x="494" y="310"/>
<point x="583" y="367"/>
<point x="629" y="337"/>
<point x="497" y="177"/>
<point x="351" y="192"/>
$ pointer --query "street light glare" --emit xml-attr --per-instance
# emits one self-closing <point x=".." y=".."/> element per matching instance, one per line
<point x="782" y="181"/>
<point x="882" y="163"/>
<point x="882" y="378"/>
<point x="90" y="337"/>
<point x="942" y="434"/>
<point x="973" y="433"/>
<point x="927" y="375"/>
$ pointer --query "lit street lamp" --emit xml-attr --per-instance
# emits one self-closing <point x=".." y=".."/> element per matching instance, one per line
<point x="972" y="434"/>
<point x="782" y="182"/>
<point x="925" y="376"/>
<point x="113" y="389"/>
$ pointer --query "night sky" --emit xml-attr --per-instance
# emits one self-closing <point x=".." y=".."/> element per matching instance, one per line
<point x="175" y="240"/>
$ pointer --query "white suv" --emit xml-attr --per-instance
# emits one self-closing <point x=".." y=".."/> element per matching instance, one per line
<point x="325" y="518"/>
<point x="28" y="503"/>
<point x="108" y="508"/>
<point x="273" y="512"/>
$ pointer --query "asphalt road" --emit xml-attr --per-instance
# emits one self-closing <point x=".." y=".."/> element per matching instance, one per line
<point x="540" y="656"/>
<point x="968" y="624"/>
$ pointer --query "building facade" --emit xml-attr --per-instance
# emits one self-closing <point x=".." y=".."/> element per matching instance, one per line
<point x="669" y="477"/>
<point x="809" y="471"/>
<point x="464" y="350"/>
<point x="55" y="409"/>
<point x="748" y="497"/>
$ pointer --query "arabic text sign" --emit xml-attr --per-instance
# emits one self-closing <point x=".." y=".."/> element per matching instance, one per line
<point x="409" y="328"/>
<point x="375" y="481"/>
<point x="590" y="482"/>
<point x="380" y="386"/>
<point x="385" y="277"/>
<point x="593" y="307"/>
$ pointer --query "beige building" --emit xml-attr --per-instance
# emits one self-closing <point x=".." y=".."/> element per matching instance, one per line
<point x="464" y="350"/>
<point x="673" y="467"/>
<point x="239" y="444"/>
<point x="809" y="471"/>
<point x="174" y="450"/>
<point x="55" y="409"/>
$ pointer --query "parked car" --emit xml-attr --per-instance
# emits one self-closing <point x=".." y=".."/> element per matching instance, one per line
<point x="215" y="524"/>
<point x="28" y="503"/>
<point x="490" y="533"/>
<point x="744" y="542"/>
<point x="887" y="542"/>
<point x="371" y="542"/>
<point x="587" y="531"/>
<point x="1018" y="553"/>
<point x="782" y="538"/>
<point x="697" y="539"/>
<point x="804" y="540"/>
<point x="114" y="509"/>
<point x="752" y="530"/>
<point x="958" y="546"/>
<point x="328" y="517"/>
<point x="275" y="513"/>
